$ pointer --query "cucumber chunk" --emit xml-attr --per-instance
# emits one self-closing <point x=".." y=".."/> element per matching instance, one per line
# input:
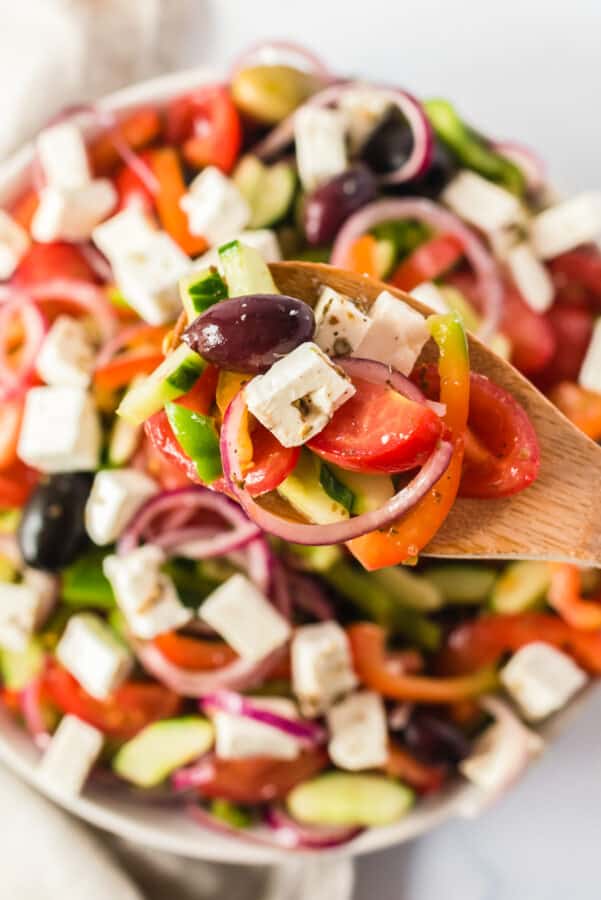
<point x="339" y="798"/>
<point x="335" y="488"/>
<point x="201" y="290"/>
<point x="161" y="748"/>
<point x="410" y="589"/>
<point x="19" y="668"/>
<point x="245" y="270"/>
<point x="462" y="582"/>
<point x="522" y="586"/>
<point x="268" y="190"/>
<point x="175" y="376"/>
<point x="305" y="493"/>
<point x="371" y="492"/>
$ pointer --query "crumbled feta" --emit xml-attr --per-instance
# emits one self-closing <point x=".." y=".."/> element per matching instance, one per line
<point x="146" y="596"/>
<point x="482" y="203"/>
<point x="126" y="232"/>
<point x="215" y="207"/>
<point x="116" y="495"/>
<point x="296" y="398"/>
<point x="66" y="356"/>
<point x="71" y="754"/>
<point x="60" y="431"/>
<point x="245" y="618"/>
<point x="340" y="326"/>
<point x="498" y="757"/>
<point x="23" y="607"/>
<point x="148" y="278"/>
<point x="530" y="277"/>
<point x="264" y="240"/>
<point x="431" y="296"/>
<point x="72" y="215"/>
<point x="359" y="732"/>
<point x="89" y="650"/>
<point x="541" y="679"/>
<point x="322" y="668"/>
<point x="320" y="138"/>
<point x="238" y="737"/>
<point x="365" y="107"/>
<point x="396" y="335"/>
<point x="63" y="156"/>
<point x="566" y="225"/>
<point x="590" y="372"/>
<point x="14" y="243"/>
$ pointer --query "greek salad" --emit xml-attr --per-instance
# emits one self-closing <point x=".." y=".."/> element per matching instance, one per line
<point x="213" y="497"/>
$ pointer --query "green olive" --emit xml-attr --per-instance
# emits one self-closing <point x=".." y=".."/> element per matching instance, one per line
<point x="270" y="93"/>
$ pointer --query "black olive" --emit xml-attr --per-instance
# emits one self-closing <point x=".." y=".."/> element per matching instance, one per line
<point x="434" y="738"/>
<point x="52" y="531"/>
<point x="389" y="144"/>
<point x="434" y="180"/>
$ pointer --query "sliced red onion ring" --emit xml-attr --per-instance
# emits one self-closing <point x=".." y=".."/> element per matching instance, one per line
<point x="97" y="262"/>
<point x="339" y="532"/>
<point x="230" y="702"/>
<point x="14" y="379"/>
<point x="239" y="675"/>
<point x="529" y="163"/>
<point x="489" y="281"/>
<point x="308" y="596"/>
<point x="379" y="373"/>
<point x="117" y="343"/>
<point x="30" y="700"/>
<point x="90" y="298"/>
<point x="271" y="53"/>
<point x="200" y="772"/>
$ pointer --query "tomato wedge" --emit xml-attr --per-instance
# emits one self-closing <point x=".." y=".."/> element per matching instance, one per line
<point x="43" y="262"/>
<point x="378" y="430"/>
<point x="428" y="261"/>
<point x="17" y="482"/>
<point x="207" y="125"/>
<point x="580" y="268"/>
<point x="132" y="191"/>
<point x="194" y="653"/>
<point x="573" y="328"/>
<point x="260" y="779"/>
<point x="133" y="706"/>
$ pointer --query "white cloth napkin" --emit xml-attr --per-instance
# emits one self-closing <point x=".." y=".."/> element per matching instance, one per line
<point x="54" y="53"/>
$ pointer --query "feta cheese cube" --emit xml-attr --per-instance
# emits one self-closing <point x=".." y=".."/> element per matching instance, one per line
<point x="126" y="232"/>
<point x="63" y="156"/>
<point x="503" y="240"/>
<point x="148" y="278"/>
<point x="66" y="356"/>
<point x="340" y="326"/>
<point x="430" y="295"/>
<point x="60" y="431"/>
<point x="359" y="732"/>
<point x="215" y="207"/>
<point x="396" y="335"/>
<point x="296" y="398"/>
<point x="71" y="754"/>
<point x="245" y="618"/>
<point x="116" y="495"/>
<point x="500" y="754"/>
<point x="14" y="243"/>
<point x="590" y="372"/>
<point x="264" y="240"/>
<point x="322" y="668"/>
<point x="238" y="737"/>
<point x="541" y="679"/>
<point x="364" y="107"/>
<point x="23" y="606"/>
<point x="530" y="277"/>
<point x="320" y="138"/>
<point x="566" y="225"/>
<point x="482" y="203"/>
<point x="146" y="596"/>
<point x="89" y="650"/>
<point x="72" y="215"/>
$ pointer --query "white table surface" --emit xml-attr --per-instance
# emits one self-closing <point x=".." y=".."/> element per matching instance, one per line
<point x="529" y="70"/>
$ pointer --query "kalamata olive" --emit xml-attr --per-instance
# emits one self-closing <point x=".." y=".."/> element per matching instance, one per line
<point x="270" y="93"/>
<point x="435" y="738"/>
<point x="52" y="531"/>
<point x="249" y="334"/>
<point x="389" y="144"/>
<point x="334" y="201"/>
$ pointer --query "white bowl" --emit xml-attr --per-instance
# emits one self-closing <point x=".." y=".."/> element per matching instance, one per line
<point x="161" y="826"/>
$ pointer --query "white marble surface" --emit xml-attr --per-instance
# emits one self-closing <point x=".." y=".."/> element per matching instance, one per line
<point x="526" y="69"/>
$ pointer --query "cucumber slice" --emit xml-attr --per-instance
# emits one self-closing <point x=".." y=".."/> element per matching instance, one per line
<point x="521" y="587"/>
<point x="371" y="491"/>
<point x="462" y="582"/>
<point x="385" y="257"/>
<point x="175" y="376"/>
<point x="305" y="493"/>
<point x="341" y="798"/>
<point x="268" y="190"/>
<point x="245" y="270"/>
<point x="410" y="589"/>
<point x="200" y="291"/>
<point x="161" y="748"/>
<point x="19" y="668"/>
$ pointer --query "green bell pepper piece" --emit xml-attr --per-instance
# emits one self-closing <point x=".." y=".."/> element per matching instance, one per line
<point x="198" y="438"/>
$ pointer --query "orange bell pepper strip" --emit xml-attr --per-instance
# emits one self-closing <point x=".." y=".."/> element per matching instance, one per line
<point x="167" y="170"/>
<point x="194" y="653"/>
<point x="122" y="370"/>
<point x="138" y="130"/>
<point x="404" y="539"/>
<point x="377" y="670"/>
<point x="565" y="598"/>
<point x="363" y="256"/>
<point x="582" y="407"/>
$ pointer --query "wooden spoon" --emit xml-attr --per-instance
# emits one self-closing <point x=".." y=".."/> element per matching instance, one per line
<point x="556" y="518"/>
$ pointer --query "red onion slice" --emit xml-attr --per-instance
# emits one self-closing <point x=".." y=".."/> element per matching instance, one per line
<point x="271" y="53"/>
<point x="15" y="379"/>
<point x="339" y="532"/>
<point x="489" y="281"/>
<point x="97" y="262"/>
<point x="230" y="702"/>
<point x="379" y="373"/>
<point x="89" y="298"/>
<point x="308" y="596"/>
<point x="118" y="342"/>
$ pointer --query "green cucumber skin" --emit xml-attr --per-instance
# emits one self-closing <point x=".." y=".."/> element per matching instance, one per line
<point x="185" y="376"/>
<point x="350" y="799"/>
<point x="335" y="489"/>
<point x="150" y="757"/>
<point x="246" y="271"/>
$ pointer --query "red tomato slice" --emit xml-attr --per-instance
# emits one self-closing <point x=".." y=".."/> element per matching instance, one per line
<point x="207" y="125"/>
<point x="261" y="779"/>
<point x="17" y="482"/>
<point x="10" y="422"/>
<point x="428" y="261"/>
<point x="43" y="262"/>
<point x="123" y="715"/>
<point x="573" y="328"/>
<point x="579" y="268"/>
<point x="137" y="130"/>
<point x="194" y="653"/>
<point x="132" y="190"/>
<point x="271" y="464"/>
<point x="377" y="431"/>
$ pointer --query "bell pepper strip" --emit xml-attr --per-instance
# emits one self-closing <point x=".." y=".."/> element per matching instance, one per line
<point x="138" y="130"/>
<point x="201" y="396"/>
<point x="363" y="256"/>
<point x="582" y="407"/>
<point x="11" y="413"/>
<point x="403" y="540"/>
<point x="167" y="169"/>
<point x="193" y="653"/>
<point x="427" y="262"/>
<point x="378" y="670"/>
<point x="484" y="641"/>
<point x="198" y="438"/>
<point x="422" y="777"/>
<point x="565" y="598"/>
<point x="122" y="370"/>
<point x="229" y="384"/>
